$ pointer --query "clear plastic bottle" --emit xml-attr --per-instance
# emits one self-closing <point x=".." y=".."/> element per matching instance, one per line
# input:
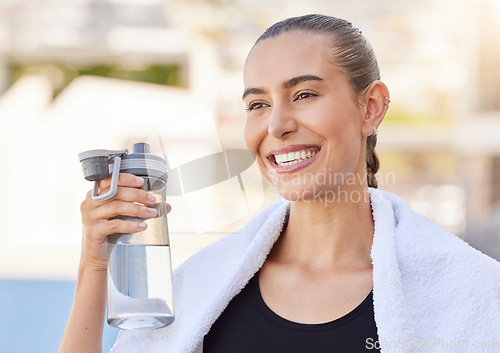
<point x="140" y="293"/>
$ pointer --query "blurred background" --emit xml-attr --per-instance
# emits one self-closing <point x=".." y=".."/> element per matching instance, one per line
<point x="83" y="74"/>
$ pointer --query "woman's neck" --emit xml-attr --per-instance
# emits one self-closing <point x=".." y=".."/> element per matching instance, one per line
<point x="323" y="235"/>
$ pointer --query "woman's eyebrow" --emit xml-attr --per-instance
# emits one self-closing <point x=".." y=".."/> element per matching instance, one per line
<point x="287" y="84"/>
<point x="252" y="90"/>
<point x="299" y="79"/>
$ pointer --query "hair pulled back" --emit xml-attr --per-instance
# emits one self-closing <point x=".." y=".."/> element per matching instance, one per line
<point x="351" y="52"/>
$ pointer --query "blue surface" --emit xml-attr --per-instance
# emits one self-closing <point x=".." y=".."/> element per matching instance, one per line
<point x="33" y="316"/>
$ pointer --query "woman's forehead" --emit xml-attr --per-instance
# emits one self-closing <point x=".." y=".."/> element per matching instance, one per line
<point x="293" y="41"/>
<point x="288" y="55"/>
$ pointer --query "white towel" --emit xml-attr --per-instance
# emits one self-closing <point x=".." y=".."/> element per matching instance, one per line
<point x="432" y="292"/>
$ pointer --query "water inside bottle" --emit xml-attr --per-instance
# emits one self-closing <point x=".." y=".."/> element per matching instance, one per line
<point x="139" y="281"/>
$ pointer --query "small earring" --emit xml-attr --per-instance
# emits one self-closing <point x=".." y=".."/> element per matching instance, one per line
<point x="387" y="100"/>
<point x="375" y="131"/>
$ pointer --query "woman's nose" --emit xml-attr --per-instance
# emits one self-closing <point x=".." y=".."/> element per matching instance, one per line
<point x="282" y="122"/>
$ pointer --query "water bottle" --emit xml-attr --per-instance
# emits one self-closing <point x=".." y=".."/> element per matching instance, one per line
<point x="140" y="293"/>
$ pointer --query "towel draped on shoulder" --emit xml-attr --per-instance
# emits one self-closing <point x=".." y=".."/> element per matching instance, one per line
<point x="432" y="292"/>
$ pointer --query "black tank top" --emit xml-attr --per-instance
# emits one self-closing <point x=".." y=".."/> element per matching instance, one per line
<point x="248" y="325"/>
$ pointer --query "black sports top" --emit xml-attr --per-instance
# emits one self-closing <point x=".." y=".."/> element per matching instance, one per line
<point x="248" y="325"/>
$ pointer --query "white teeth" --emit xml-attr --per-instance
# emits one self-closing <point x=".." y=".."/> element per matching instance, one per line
<point x="284" y="158"/>
<point x="292" y="157"/>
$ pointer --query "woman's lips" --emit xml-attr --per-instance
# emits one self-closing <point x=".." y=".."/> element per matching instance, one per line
<point x="290" y="158"/>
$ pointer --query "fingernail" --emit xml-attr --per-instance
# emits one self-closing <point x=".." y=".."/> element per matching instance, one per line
<point x="151" y="197"/>
<point x="142" y="225"/>
<point x="139" y="180"/>
<point x="152" y="211"/>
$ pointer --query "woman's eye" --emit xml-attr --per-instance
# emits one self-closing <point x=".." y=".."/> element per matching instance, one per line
<point x="304" y="95"/>
<point x="255" y="106"/>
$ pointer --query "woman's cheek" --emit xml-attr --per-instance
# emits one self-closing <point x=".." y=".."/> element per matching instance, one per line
<point x="252" y="136"/>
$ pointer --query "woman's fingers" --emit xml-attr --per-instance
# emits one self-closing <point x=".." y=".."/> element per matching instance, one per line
<point x="121" y="208"/>
<point x="102" y="218"/>
<point x="124" y="179"/>
<point x="105" y="220"/>
<point x="101" y="230"/>
<point x="129" y="194"/>
<point x="134" y="195"/>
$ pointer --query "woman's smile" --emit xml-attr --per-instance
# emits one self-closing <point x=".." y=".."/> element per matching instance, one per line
<point x="286" y="159"/>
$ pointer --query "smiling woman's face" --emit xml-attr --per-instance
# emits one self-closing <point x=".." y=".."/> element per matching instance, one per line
<point x="303" y="121"/>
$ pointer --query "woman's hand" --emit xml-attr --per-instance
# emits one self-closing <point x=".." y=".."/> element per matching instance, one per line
<point x="99" y="222"/>
<point x="84" y="328"/>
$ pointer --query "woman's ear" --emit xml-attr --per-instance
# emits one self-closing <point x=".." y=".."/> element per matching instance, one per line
<point x="376" y="102"/>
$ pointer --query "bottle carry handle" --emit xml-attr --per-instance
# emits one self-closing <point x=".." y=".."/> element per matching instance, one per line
<point x="114" y="182"/>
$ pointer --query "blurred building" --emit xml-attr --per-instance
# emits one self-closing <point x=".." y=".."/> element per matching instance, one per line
<point x="63" y="39"/>
<point x="478" y="141"/>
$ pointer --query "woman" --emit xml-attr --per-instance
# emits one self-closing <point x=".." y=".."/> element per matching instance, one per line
<point x="336" y="266"/>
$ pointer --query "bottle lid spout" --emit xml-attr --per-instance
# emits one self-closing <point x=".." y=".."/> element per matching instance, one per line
<point x="141" y="147"/>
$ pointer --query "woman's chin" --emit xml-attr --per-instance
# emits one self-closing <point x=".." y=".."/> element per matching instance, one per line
<point x="297" y="194"/>
<point x="321" y="195"/>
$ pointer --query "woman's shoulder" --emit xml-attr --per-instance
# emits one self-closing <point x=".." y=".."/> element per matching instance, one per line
<point x="427" y="248"/>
